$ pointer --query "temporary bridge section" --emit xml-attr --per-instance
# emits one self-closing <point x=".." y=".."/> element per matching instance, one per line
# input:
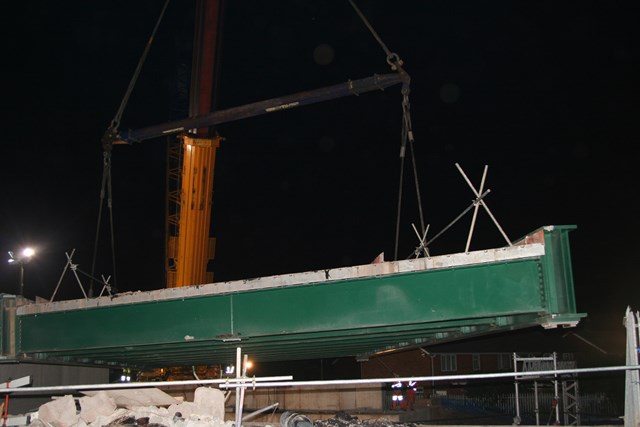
<point x="353" y="311"/>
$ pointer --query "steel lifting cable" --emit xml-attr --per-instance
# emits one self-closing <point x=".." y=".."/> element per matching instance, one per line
<point x="393" y="59"/>
<point x="115" y="123"/>
<point x="396" y="63"/>
<point x="407" y="136"/>
<point x="406" y="118"/>
<point x="106" y="175"/>
<point x="107" y="144"/>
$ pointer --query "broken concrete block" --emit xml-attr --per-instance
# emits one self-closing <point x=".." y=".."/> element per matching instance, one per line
<point x="198" y="423"/>
<point x="131" y="398"/>
<point x="37" y="422"/>
<point x="184" y="409"/>
<point x="206" y="422"/>
<point x="60" y="412"/>
<point x="93" y="406"/>
<point x="209" y="401"/>
<point x="152" y="414"/>
<point x="103" y="420"/>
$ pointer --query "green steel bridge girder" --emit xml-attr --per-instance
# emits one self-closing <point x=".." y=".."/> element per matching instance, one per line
<point x="349" y="317"/>
<point x="302" y="346"/>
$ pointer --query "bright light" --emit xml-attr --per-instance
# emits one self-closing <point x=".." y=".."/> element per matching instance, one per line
<point x="28" y="252"/>
<point x="248" y="365"/>
<point x="229" y="370"/>
<point x="22" y="257"/>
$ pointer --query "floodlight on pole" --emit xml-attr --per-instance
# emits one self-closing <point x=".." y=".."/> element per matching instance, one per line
<point x="28" y="252"/>
<point x="24" y="257"/>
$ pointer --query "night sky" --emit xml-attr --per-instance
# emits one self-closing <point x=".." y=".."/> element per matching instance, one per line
<point x="544" y="93"/>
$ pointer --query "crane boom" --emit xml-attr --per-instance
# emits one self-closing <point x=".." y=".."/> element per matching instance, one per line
<point x="354" y="87"/>
<point x="191" y="164"/>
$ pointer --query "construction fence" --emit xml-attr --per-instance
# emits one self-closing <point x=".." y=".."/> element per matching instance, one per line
<point x="594" y="406"/>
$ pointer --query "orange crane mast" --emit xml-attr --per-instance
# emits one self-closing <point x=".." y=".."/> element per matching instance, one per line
<point x="191" y="165"/>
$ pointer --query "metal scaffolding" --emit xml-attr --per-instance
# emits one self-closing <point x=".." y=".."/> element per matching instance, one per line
<point x="632" y="378"/>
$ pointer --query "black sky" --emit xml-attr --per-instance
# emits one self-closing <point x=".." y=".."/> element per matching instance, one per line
<point x="545" y="93"/>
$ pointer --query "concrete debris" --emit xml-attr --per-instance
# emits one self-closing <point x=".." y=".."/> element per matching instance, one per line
<point x="209" y="402"/>
<point x="100" y="410"/>
<point x="183" y="410"/>
<point x="343" y="419"/>
<point x="60" y="412"/>
<point x="130" y="398"/>
<point x="101" y="404"/>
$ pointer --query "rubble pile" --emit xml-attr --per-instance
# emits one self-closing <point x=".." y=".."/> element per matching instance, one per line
<point x="343" y="419"/>
<point x="102" y="409"/>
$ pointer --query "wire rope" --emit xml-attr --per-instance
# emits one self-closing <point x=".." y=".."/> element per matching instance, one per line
<point x="115" y="123"/>
<point x="395" y="63"/>
<point x="107" y="143"/>
<point x="392" y="58"/>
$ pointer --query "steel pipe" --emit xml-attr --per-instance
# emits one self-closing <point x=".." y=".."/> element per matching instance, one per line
<point x="441" y="377"/>
<point x="79" y="387"/>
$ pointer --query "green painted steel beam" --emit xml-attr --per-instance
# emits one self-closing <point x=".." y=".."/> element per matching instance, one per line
<point x="352" y="311"/>
<point x="302" y="347"/>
